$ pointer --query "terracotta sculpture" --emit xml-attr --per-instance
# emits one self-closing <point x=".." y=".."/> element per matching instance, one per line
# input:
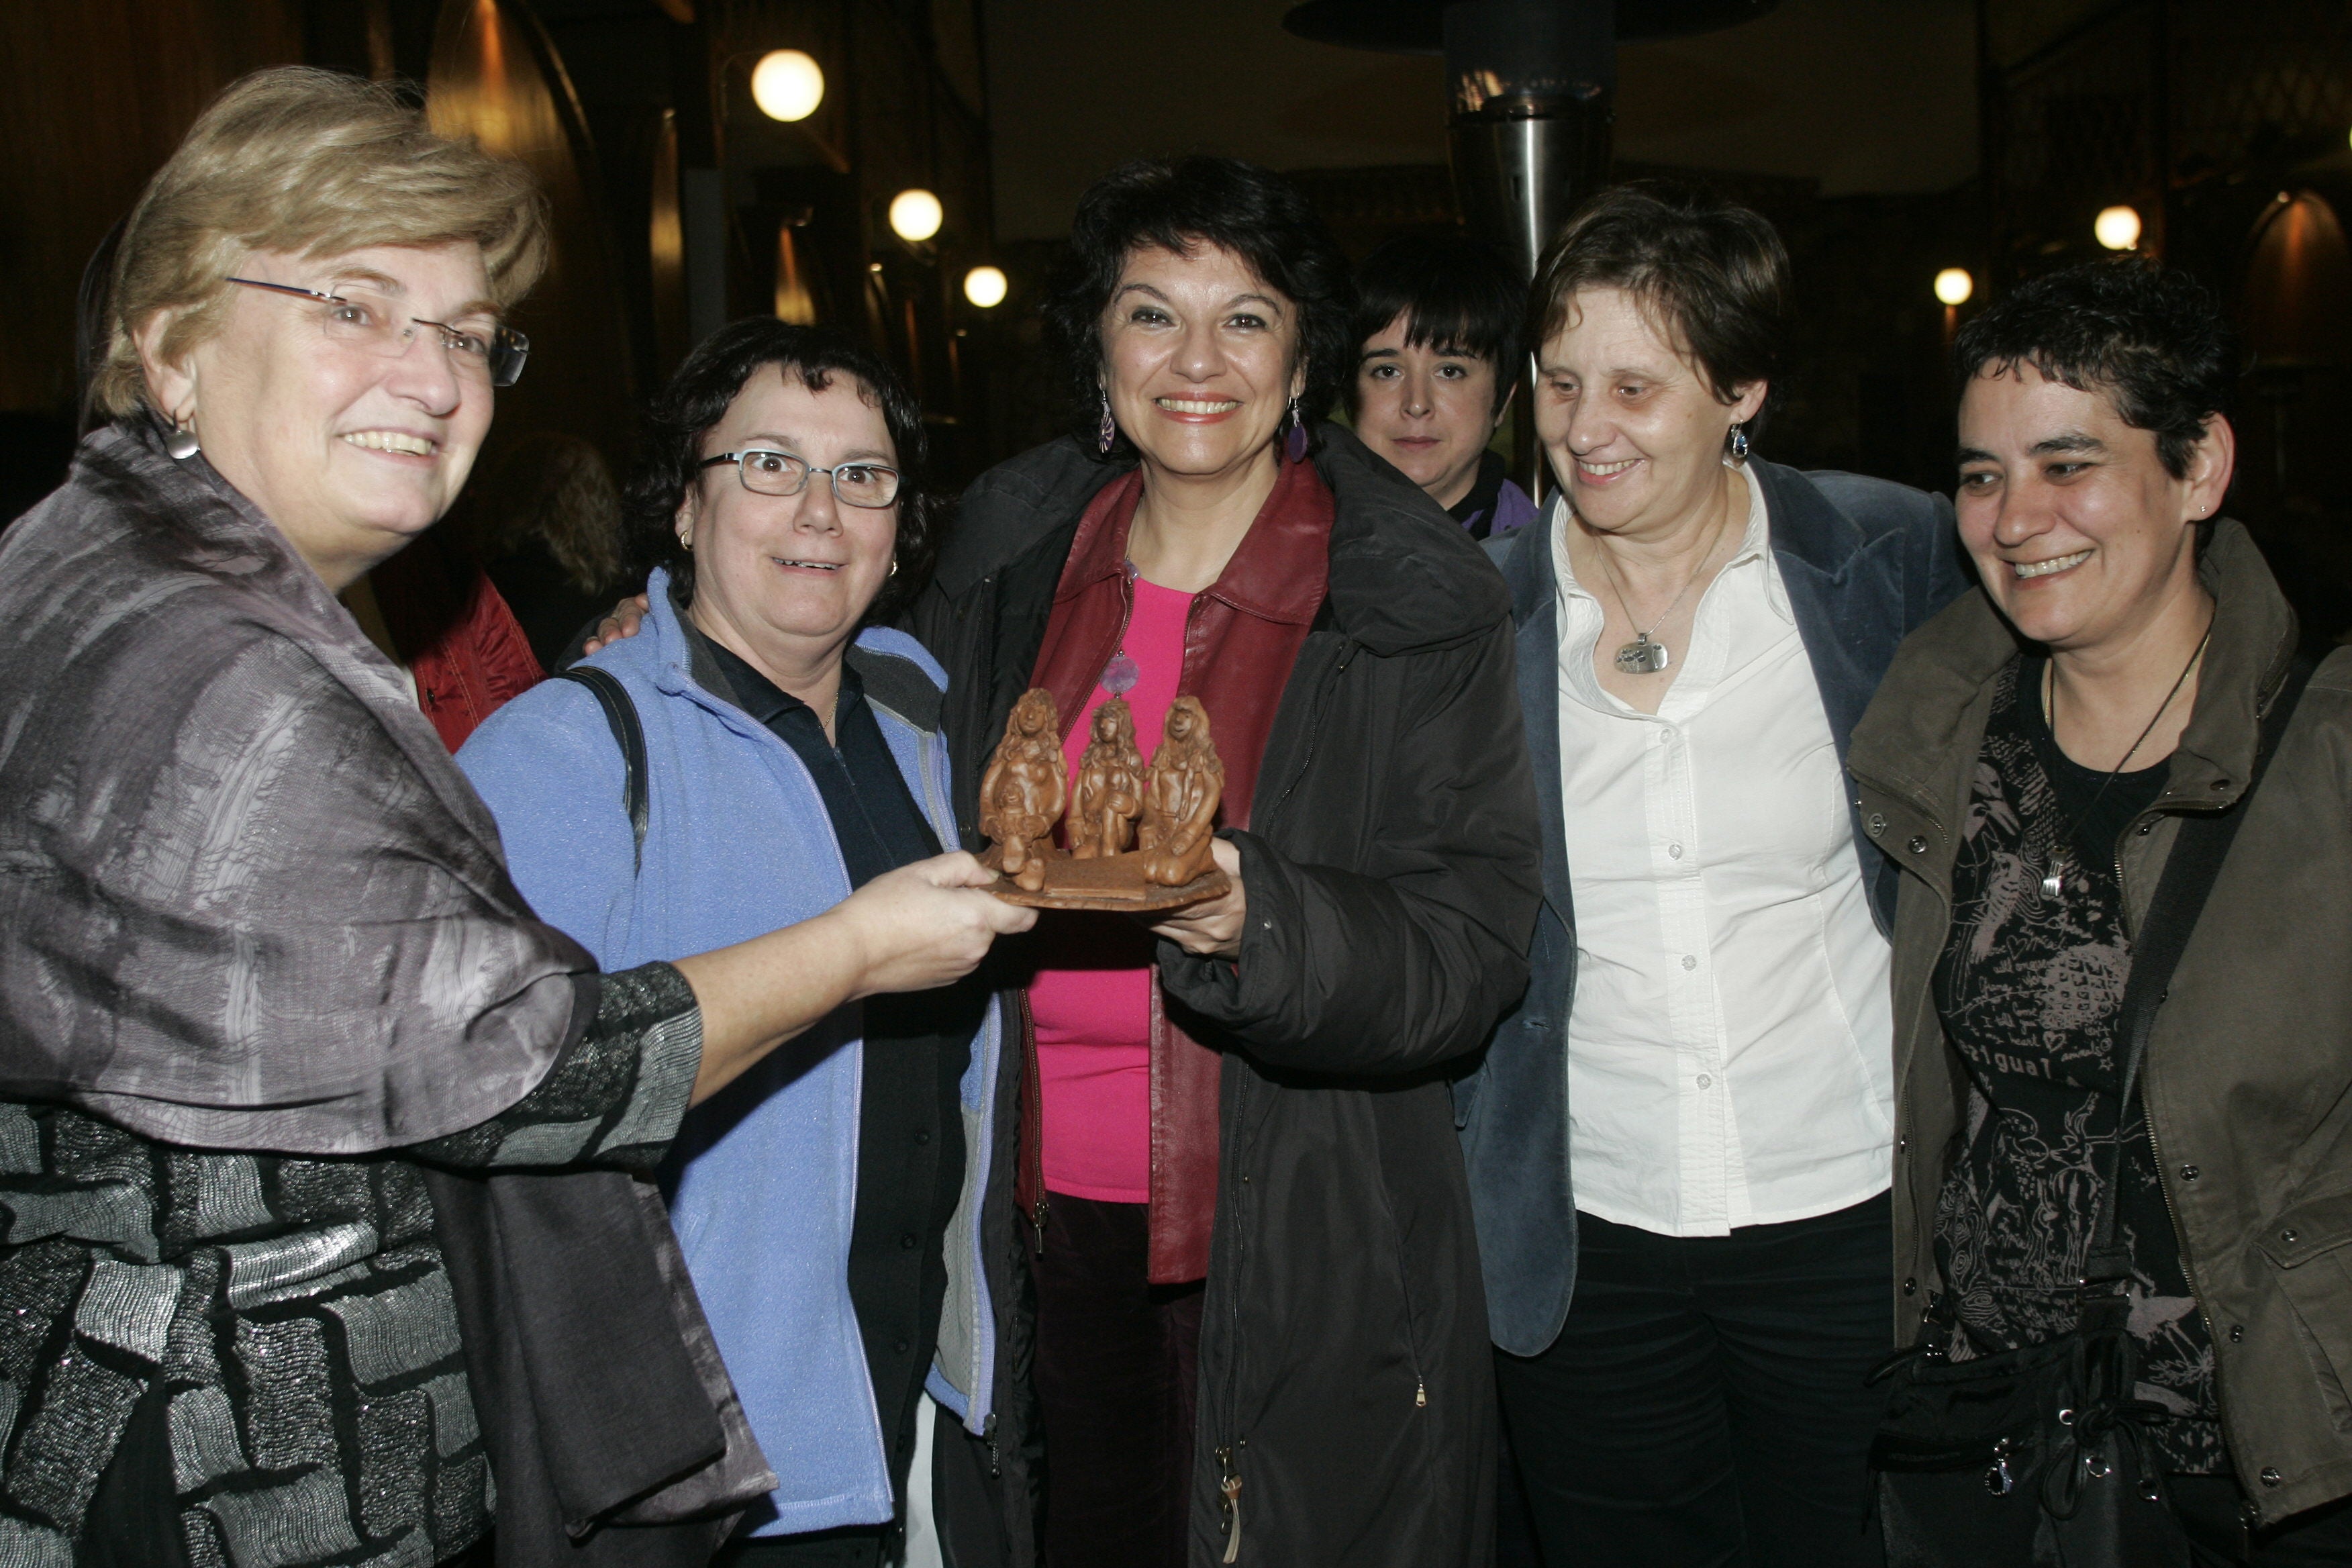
<point x="1180" y="804"/>
<point x="1023" y="793"/>
<point x="1109" y="796"/>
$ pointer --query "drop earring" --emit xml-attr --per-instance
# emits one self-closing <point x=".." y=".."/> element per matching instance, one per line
<point x="182" y="443"/>
<point x="1109" y="433"/>
<point x="1294" y="445"/>
<point x="1739" y="443"/>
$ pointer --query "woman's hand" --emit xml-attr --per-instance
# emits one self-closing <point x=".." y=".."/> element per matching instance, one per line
<point x="1212" y="927"/>
<point x="626" y="617"/>
<point x="927" y="924"/>
<point x="919" y="926"/>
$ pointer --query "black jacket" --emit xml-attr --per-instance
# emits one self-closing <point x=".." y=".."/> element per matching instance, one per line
<point x="1392" y="881"/>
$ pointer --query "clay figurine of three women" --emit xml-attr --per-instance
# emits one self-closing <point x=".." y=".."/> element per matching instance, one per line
<point x="1135" y="837"/>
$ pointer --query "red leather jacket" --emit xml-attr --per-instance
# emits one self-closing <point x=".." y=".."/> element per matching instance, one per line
<point x="456" y="635"/>
<point x="1240" y="640"/>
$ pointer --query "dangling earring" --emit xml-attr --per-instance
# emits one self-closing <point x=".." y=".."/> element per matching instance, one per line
<point x="1739" y="442"/>
<point x="1294" y="445"/>
<point x="894" y="566"/>
<point x="1109" y="432"/>
<point x="182" y="443"/>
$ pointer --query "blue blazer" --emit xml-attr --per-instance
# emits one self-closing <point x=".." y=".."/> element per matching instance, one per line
<point x="763" y="1176"/>
<point x="1865" y="561"/>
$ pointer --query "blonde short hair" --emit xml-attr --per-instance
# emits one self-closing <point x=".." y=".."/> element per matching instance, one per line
<point x="304" y="162"/>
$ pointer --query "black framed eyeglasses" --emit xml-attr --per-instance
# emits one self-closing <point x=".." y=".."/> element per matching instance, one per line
<point x="496" y="355"/>
<point x="771" y="473"/>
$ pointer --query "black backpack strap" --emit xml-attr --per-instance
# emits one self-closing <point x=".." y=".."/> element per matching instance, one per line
<point x="621" y="714"/>
<point x="2189" y="872"/>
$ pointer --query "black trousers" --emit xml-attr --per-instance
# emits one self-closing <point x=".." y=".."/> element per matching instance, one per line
<point x="1704" y="1406"/>
<point x="1116" y="1364"/>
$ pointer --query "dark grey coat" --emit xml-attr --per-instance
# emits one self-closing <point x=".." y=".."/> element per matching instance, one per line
<point x="1346" y="1388"/>
<point x="1863" y="562"/>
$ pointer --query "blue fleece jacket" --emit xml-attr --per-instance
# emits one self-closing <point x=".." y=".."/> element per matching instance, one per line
<point x="763" y="1176"/>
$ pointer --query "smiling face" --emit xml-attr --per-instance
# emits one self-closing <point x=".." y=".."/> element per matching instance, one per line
<point x="2081" y="534"/>
<point x="785" y="580"/>
<point x="350" y="451"/>
<point x="1429" y="410"/>
<point x="1200" y="358"/>
<point x="1634" y="430"/>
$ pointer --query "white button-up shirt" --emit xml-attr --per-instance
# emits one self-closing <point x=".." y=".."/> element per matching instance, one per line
<point x="1730" y="1048"/>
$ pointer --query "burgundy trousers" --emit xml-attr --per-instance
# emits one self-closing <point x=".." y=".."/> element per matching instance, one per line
<point x="1116" y="1365"/>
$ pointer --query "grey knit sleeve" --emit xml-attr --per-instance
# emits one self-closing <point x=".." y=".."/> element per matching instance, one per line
<point x="616" y="1094"/>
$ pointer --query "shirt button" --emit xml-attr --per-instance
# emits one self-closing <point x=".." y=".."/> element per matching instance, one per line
<point x="910" y="1241"/>
<point x="1675" y="851"/>
<point x="1689" y="961"/>
<point x="1705" y="1081"/>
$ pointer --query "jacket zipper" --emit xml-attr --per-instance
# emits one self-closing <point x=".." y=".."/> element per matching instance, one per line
<point x="1032" y="1097"/>
<point x="1229" y="1494"/>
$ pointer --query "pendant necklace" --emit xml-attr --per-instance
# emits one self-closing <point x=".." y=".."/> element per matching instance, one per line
<point x="1644" y="655"/>
<point x="2054" y="881"/>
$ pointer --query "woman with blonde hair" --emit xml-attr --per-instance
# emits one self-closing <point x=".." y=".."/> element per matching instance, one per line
<point x="317" y="1148"/>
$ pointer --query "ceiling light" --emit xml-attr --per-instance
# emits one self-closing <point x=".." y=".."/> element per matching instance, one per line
<point x="1953" y="285"/>
<point x="2117" y="227"/>
<point x="916" y="216"/>
<point x="787" y="84"/>
<point x="984" y="287"/>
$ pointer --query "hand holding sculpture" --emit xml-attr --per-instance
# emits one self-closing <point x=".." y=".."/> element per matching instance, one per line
<point x="1180" y="801"/>
<point x="1110" y="787"/>
<point x="1023" y="793"/>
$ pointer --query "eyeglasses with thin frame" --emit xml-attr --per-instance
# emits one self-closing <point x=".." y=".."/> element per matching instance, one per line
<point x="771" y="473"/>
<point x="496" y="355"/>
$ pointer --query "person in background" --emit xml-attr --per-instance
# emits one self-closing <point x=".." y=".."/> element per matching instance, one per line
<point x="2032" y="761"/>
<point x="317" y="1146"/>
<point x="545" y="523"/>
<point x="1704" y="1047"/>
<point x="1260" y="1333"/>
<point x="1438" y="319"/>
<point x="846" y="1207"/>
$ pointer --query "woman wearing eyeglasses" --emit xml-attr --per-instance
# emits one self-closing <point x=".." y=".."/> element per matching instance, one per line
<point x="829" y="1203"/>
<point x="321" y="1239"/>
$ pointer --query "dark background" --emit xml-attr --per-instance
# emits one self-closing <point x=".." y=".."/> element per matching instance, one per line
<point x="1887" y="139"/>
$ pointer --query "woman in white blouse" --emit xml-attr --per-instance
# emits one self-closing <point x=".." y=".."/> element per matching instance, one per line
<point x="1707" y="1042"/>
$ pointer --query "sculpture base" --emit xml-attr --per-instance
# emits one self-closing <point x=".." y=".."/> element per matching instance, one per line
<point x="1115" y="883"/>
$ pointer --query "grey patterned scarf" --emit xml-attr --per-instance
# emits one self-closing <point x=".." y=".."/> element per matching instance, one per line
<point x="247" y="900"/>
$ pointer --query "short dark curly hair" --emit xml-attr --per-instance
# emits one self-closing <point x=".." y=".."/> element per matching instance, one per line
<point x="707" y="385"/>
<point x="1453" y="292"/>
<point x="1715" y="272"/>
<point x="2150" y="338"/>
<point x="1176" y="204"/>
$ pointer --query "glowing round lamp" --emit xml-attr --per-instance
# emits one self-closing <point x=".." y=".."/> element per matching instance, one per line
<point x="984" y="287"/>
<point x="916" y="216"/>
<point x="1953" y="285"/>
<point x="2117" y="227"/>
<point x="787" y="84"/>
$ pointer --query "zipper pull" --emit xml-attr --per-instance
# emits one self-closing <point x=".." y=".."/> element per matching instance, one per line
<point x="995" y="1470"/>
<point x="1230" y="1485"/>
<point x="1420" y="1394"/>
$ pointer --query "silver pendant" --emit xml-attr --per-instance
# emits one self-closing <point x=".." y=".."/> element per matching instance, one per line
<point x="1642" y="657"/>
<point x="2053" y="883"/>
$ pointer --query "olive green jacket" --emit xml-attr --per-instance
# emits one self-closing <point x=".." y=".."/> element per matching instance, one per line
<point x="2248" y="1078"/>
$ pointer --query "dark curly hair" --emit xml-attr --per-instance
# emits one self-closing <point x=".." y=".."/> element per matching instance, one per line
<point x="1176" y="204"/>
<point x="1716" y="271"/>
<point x="1455" y="294"/>
<point x="707" y="385"/>
<point x="2150" y="338"/>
